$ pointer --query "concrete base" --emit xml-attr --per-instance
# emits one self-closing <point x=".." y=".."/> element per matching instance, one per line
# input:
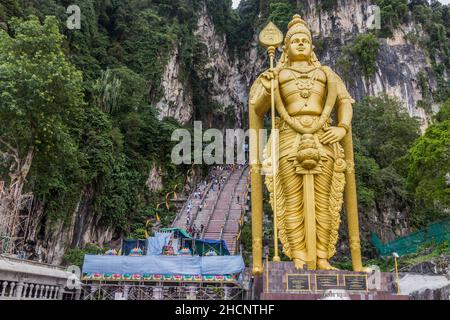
<point x="327" y="285"/>
<point x="316" y="296"/>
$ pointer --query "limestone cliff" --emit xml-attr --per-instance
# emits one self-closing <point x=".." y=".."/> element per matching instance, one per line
<point x="229" y="77"/>
<point x="398" y="63"/>
<point x="397" y="67"/>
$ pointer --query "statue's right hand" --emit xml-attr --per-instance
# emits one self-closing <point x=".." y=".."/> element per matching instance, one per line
<point x="266" y="79"/>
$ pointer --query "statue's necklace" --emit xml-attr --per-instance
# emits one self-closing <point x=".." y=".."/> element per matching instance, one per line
<point x="305" y="83"/>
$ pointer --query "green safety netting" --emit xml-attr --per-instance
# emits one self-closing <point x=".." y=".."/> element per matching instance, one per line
<point x="437" y="232"/>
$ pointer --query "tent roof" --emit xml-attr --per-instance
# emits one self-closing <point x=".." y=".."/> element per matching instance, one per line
<point x="183" y="232"/>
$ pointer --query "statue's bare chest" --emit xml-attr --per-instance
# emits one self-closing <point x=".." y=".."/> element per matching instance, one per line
<point x="303" y="92"/>
<point x="302" y="80"/>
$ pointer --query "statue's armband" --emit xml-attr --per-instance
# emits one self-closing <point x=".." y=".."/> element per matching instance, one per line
<point x="259" y="99"/>
<point x="343" y="96"/>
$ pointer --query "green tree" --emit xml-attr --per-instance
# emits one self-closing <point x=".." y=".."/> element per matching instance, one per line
<point x="41" y="99"/>
<point x="393" y="13"/>
<point x="384" y="129"/>
<point x="281" y="14"/>
<point x="76" y="256"/>
<point x="365" y="50"/>
<point x="383" y="134"/>
<point x="429" y="167"/>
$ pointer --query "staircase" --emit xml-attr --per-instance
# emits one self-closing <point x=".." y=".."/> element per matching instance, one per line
<point x="219" y="210"/>
<point x="224" y="221"/>
<point x="201" y="208"/>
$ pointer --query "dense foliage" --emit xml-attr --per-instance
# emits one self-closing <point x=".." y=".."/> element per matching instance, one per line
<point x="75" y="256"/>
<point x="428" y="171"/>
<point x="94" y="134"/>
<point x="363" y="51"/>
<point x="393" y="13"/>
<point x="383" y="134"/>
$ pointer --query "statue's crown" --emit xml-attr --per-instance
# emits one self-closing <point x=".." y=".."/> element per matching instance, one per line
<point x="297" y="25"/>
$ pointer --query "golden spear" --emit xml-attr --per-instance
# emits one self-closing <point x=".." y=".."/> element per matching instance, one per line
<point x="271" y="38"/>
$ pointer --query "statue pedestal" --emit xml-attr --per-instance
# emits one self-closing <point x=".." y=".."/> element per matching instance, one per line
<point x="284" y="282"/>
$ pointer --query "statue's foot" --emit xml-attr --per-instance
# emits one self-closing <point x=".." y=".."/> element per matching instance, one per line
<point x="323" y="264"/>
<point x="364" y="269"/>
<point x="299" y="264"/>
<point x="257" y="271"/>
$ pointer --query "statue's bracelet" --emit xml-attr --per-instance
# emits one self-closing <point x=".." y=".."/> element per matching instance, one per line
<point x="346" y="127"/>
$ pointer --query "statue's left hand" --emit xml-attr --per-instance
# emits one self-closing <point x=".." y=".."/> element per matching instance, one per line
<point x="333" y="135"/>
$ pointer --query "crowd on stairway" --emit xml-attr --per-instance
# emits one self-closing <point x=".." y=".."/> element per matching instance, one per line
<point x="216" y="179"/>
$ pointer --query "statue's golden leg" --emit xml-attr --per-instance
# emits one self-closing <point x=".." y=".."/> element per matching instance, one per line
<point x="323" y="217"/>
<point x="293" y="216"/>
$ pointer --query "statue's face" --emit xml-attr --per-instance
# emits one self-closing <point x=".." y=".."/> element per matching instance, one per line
<point x="300" y="47"/>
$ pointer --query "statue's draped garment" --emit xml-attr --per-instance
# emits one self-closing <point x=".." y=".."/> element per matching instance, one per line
<point x="329" y="174"/>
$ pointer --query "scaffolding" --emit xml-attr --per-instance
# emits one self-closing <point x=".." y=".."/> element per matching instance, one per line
<point x="161" y="291"/>
<point x="14" y="219"/>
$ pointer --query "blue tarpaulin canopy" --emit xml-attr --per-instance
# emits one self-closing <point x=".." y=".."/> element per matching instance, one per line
<point x="178" y="265"/>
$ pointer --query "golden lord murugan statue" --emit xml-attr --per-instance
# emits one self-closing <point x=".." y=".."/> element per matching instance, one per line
<point x="309" y="154"/>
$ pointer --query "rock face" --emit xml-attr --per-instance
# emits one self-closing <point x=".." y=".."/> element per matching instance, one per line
<point x="230" y="77"/>
<point x="437" y="266"/>
<point x="154" y="181"/>
<point x="175" y="102"/>
<point x="425" y="287"/>
<point x="398" y="63"/>
<point x="48" y="242"/>
<point x="228" y="82"/>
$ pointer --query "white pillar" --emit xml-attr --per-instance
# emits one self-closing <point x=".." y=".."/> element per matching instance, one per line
<point x="25" y="288"/>
<point x="61" y="292"/>
<point x="36" y="291"/>
<point x="11" y="291"/>
<point x="41" y="294"/>
<point x="50" y="293"/>
<point x="55" y="296"/>
<point x="5" y="284"/>
<point x="44" y="296"/>
<point x="30" y="293"/>
<point x="19" y="290"/>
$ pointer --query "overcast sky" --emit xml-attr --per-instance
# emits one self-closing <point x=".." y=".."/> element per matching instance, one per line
<point x="236" y="2"/>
